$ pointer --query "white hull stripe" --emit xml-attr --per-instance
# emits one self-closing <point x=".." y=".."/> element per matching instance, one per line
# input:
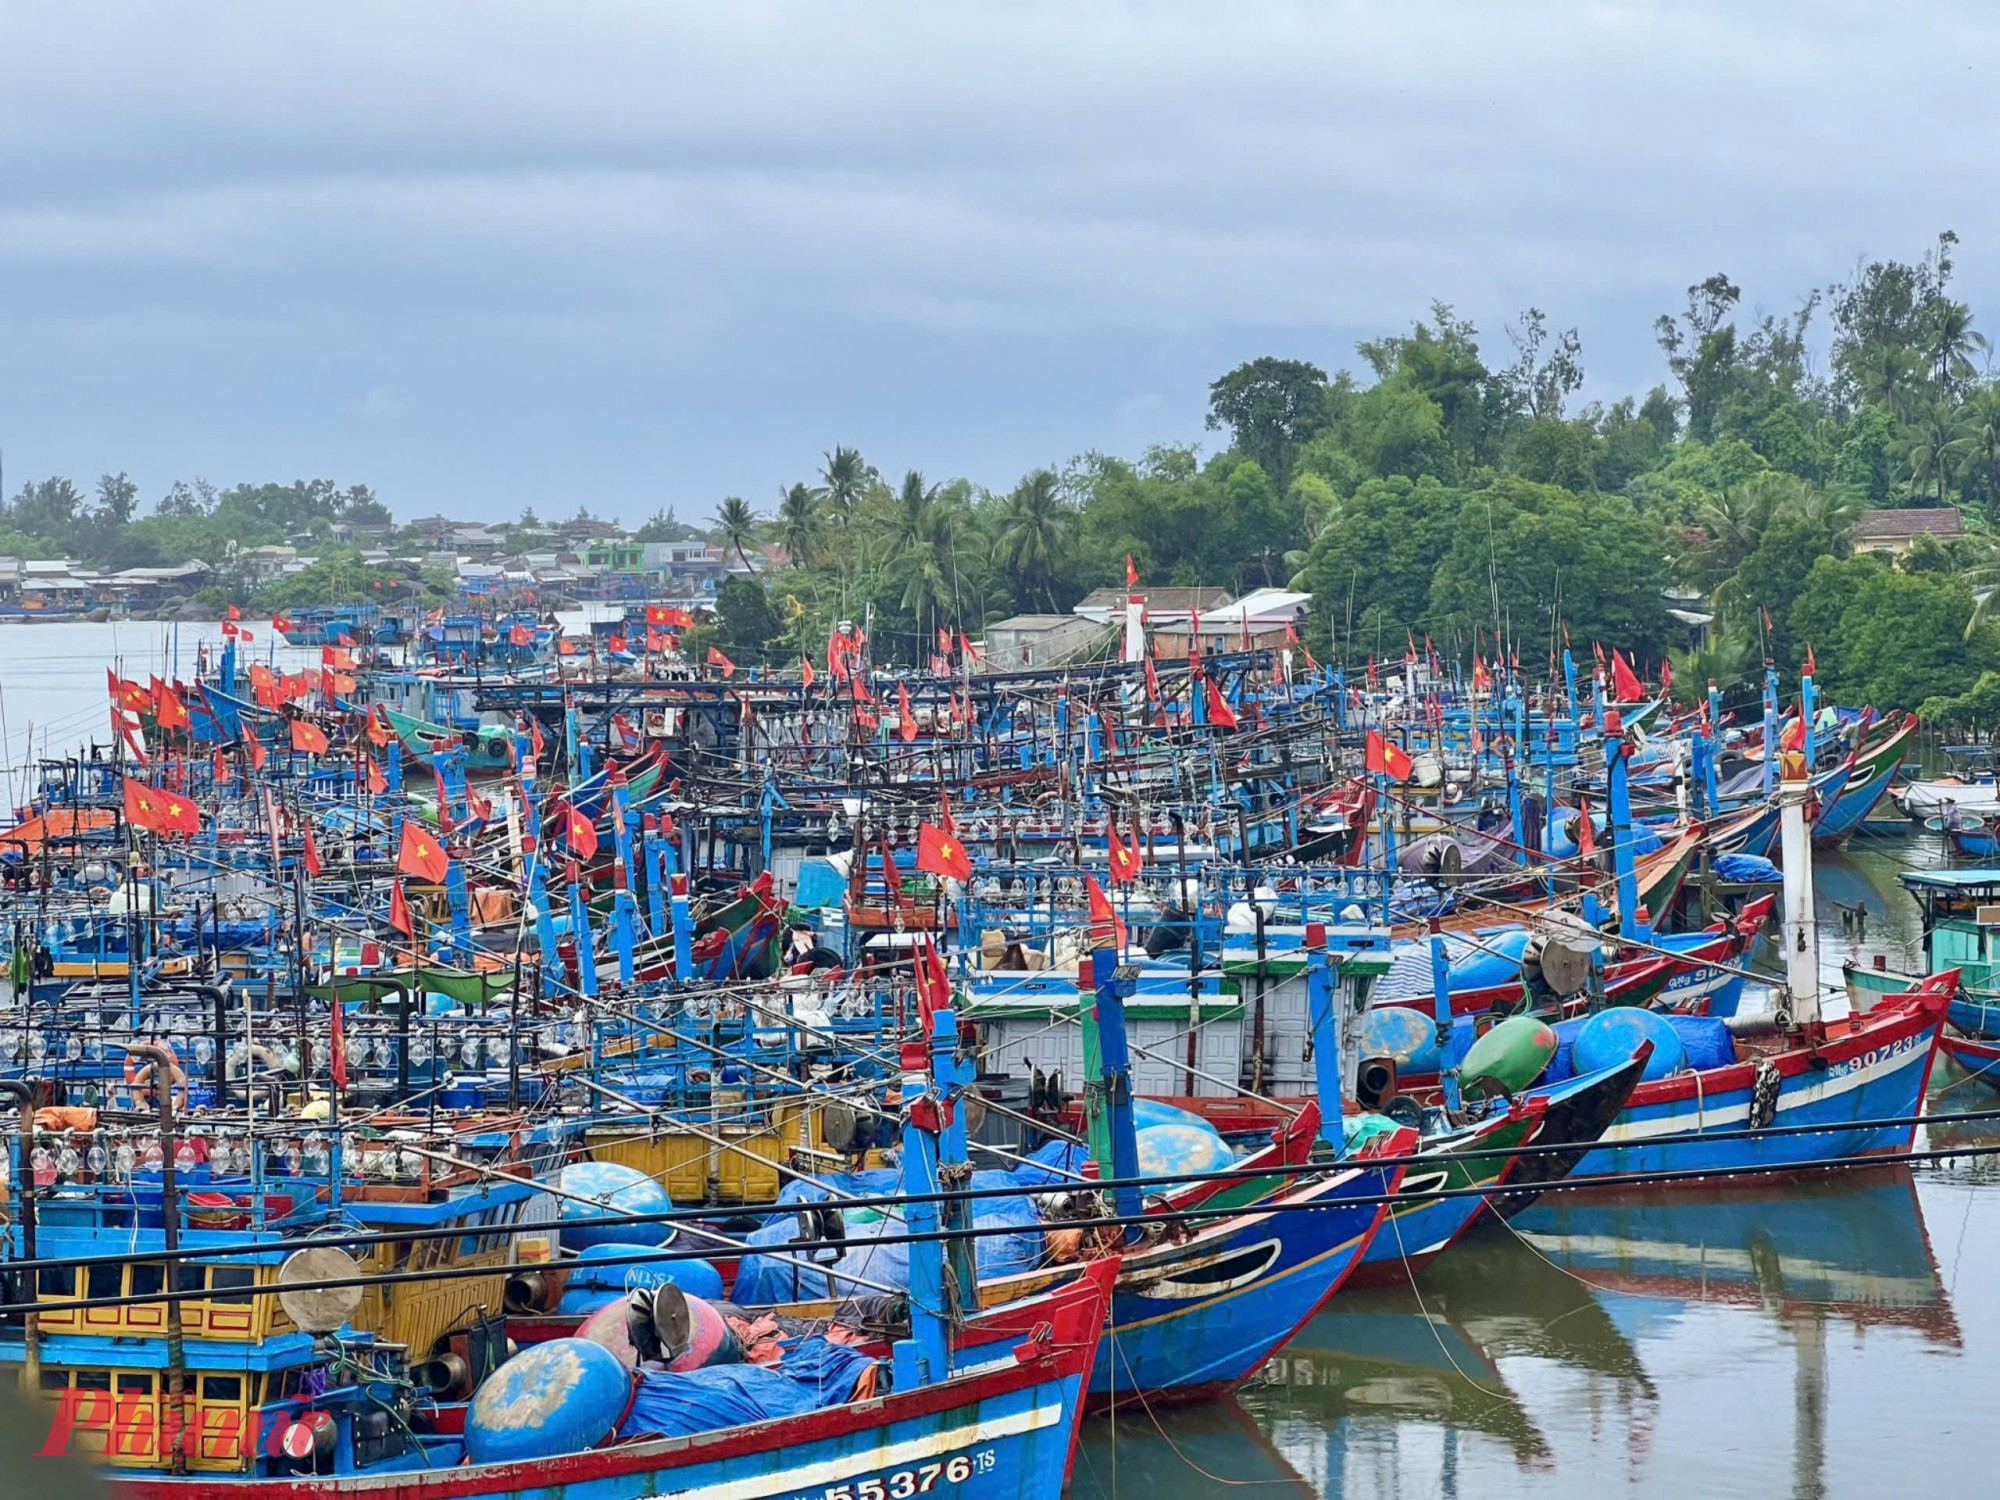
<point x="848" y="1466"/>
<point x="1713" y="1115"/>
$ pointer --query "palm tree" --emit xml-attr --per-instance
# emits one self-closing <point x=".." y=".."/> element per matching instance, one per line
<point x="1982" y="421"/>
<point x="1034" y="533"/>
<point x="1950" y="343"/>
<point x="910" y="519"/>
<point x="1729" y="658"/>
<point x="799" y="523"/>
<point x="1942" y="438"/>
<point x="1889" y="378"/>
<point x="737" y="523"/>
<point x="844" y="480"/>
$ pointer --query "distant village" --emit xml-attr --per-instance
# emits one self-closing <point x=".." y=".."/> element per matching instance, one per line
<point x="566" y="562"/>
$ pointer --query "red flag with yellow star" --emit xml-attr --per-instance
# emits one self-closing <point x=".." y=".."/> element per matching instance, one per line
<point x="422" y="855"/>
<point x="941" y="853"/>
<point x="159" y="812"/>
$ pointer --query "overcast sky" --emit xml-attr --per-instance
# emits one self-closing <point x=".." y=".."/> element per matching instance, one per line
<point x="484" y="256"/>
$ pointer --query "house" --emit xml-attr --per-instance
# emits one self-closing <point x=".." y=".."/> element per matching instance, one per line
<point x="262" y="564"/>
<point x="693" y="563"/>
<point x="1029" y="641"/>
<point x="141" y="587"/>
<point x="1261" y="619"/>
<point x="1892" y="533"/>
<point x="1164" y="603"/>
<point x="611" y="554"/>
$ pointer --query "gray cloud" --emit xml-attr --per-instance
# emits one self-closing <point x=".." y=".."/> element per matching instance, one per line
<point x="640" y="254"/>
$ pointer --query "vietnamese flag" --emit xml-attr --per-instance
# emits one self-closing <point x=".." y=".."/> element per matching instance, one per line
<point x="233" y="613"/>
<point x="1219" y="711"/>
<point x="280" y="624"/>
<point x="172" y="713"/>
<point x="717" y="659"/>
<point x="377" y="782"/>
<point x="580" y="833"/>
<point x="1624" y="681"/>
<point x="378" y="727"/>
<point x="257" y="751"/>
<point x="941" y="853"/>
<point x="399" y="911"/>
<point x="1124" y="856"/>
<point x="615" y="643"/>
<point x="309" y="737"/>
<point x="1106" y="930"/>
<point x="311" y="855"/>
<point x="128" y="695"/>
<point x="157" y="811"/>
<point x="421" y="855"/>
<point x="264" y="685"/>
<point x="906" y="723"/>
<point x="1384" y="757"/>
<point x="806" y="672"/>
<point x="333" y="656"/>
<point x="520" y="635"/>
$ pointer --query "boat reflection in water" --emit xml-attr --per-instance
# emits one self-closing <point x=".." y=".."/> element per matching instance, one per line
<point x="1444" y="1386"/>
<point x="1191" y="1451"/>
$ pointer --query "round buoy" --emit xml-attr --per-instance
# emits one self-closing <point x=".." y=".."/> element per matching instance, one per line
<point x="560" y="1397"/>
<point x="1405" y="1036"/>
<point x="610" y="1188"/>
<point x="1613" y="1036"/>
<point x="1508" y="1058"/>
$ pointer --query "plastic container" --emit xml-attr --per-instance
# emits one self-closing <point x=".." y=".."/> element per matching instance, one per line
<point x="560" y="1397"/>
<point x="1508" y="1058"/>
<point x="1613" y="1036"/>
<point x="1705" y="1041"/>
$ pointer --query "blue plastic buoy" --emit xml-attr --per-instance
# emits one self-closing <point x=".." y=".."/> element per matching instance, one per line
<point x="610" y="1188"/>
<point x="1405" y="1036"/>
<point x="560" y="1397"/>
<point x="1613" y="1036"/>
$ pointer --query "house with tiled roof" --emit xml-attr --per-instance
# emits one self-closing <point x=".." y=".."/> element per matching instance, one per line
<point x="1891" y="533"/>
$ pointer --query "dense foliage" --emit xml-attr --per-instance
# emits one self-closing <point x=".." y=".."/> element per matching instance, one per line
<point x="1432" y="490"/>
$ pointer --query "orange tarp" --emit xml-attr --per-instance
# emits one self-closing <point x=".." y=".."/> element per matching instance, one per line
<point x="57" y="823"/>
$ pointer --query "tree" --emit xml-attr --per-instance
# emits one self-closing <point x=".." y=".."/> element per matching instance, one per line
<point x="662" y="526"/>
<point x="745" y="623"/>
<point x="1034" y="533"/>
<point x="1701" y="350"/>
<point x="799" y="523"/>
<point x="184" y="499"/>
<point x="1537" y="384"/>
<point x="844" y="480"/>
<point x="1939" y="443"/>
<point x="735" y="524"/>
<point x="1270" y="407"/>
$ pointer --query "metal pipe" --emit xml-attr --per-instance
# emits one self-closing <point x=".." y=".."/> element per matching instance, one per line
<point x="164" y="1068"/>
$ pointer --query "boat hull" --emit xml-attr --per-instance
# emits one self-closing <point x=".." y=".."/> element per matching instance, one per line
<point x="1877" y="1070"/>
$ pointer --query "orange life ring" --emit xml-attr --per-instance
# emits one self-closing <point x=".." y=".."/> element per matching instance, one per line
<point x="139" y="1078"/>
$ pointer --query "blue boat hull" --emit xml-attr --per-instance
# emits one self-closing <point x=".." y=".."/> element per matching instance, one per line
<point x="1186" y="1326"/>
<point x="1877" y="1071"/>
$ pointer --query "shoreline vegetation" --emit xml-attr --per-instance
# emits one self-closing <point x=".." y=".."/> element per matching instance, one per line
<point x="1450" y="485"/>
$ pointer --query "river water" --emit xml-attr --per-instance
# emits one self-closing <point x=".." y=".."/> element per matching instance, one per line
<point x="1824" y="1338"/>
<point x="1814" y="1339"/>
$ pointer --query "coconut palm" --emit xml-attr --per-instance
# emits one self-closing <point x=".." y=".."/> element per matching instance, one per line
<point x="799" y="523"/>
<point x="1033" y="536"/>
<point x="1982" y="430"/>
<point x="1890" y="378"/>
<point x="1941" y="439"/>
<point x="1950" y="343"/>
<point x="843" y="480"/>
<point x="736" y="522"/>
<point x="910" y="518"/>
<point x="1729" y="658"/>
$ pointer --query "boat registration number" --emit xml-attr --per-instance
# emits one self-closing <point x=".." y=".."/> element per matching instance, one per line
<point x="1873" y="1056"/>
<point x="918" y="1479"/>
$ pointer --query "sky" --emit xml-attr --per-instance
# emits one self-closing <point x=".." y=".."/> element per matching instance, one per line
<point x="492" y="256"/>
